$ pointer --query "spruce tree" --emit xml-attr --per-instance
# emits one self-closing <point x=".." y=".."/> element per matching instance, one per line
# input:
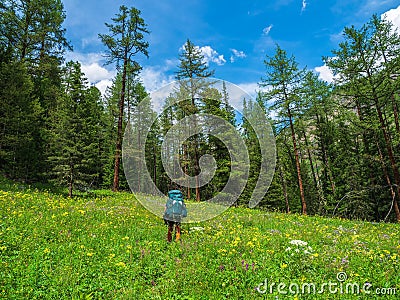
<point x="19" y="120"/>
<point x="74" y="132"/>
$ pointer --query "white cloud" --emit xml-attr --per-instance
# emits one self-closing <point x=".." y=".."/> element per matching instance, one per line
<point x="90" y="41"/>
<point x="250" y="88"/>
<point x="210" y="55"/>
<point x="393" y="16"/>
<point x="102" y="85"/>
<point x="154" y="78"/>
<point x="325" y="73"/>
<point x="92" y="67"/>
<point x="84" y="58"/>
<point x="238" y="54"/>
<point x="220" y="60"/>
<point x="266" y="30"/>
<point x="171" y="63"/>
<point x="336" y="37"/>
<point x="94" y="72"/>
<point x="369" y="6"/>
<point x="304" y="5"/>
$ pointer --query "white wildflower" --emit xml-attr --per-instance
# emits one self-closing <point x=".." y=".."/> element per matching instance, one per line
<point x="298" y="243"/>
<point x="196" y="228"/>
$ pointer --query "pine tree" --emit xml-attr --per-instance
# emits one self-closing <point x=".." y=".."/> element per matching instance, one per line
<point x="191" y="70"/>
<point x="126" y="39"/>
<point x="140" y="117"/>
<point x="285" y="79"/>
<point x="365" y="61"/>
<point x="317" y="136"/>
<point x="216" y="104"/>
<point x="229" y="111"/>
<point x="167" y="118"/>
<point x="253" y="149"/>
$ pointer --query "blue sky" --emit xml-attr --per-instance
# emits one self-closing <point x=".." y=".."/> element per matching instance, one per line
<point x="235" y="37"/>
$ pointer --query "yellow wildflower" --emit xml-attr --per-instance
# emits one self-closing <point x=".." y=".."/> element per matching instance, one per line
<point x="250" y="244"/>
<point x="121" y="264"/>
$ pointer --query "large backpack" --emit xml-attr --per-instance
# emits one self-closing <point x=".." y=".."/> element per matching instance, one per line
<point x="175" y="207"/>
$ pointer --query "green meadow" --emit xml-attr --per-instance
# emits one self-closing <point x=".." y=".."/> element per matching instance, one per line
<point x="105" y="245"/>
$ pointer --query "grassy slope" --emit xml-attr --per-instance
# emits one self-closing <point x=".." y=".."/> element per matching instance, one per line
<point x="108" y="246"/>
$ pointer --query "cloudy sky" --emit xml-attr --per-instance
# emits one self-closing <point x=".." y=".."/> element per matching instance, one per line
<point x="234" y="36"/>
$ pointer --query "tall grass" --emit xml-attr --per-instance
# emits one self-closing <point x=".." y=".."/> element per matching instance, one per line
<point x="107" y="246"/>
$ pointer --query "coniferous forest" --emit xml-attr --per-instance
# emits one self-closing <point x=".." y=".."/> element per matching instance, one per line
<point x="337" y="145"/>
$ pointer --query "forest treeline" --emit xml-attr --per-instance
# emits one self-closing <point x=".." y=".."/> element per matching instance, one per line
<point x="337" y="145"/>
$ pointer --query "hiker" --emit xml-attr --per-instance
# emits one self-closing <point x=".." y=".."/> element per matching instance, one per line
<point x="175" y="210"/>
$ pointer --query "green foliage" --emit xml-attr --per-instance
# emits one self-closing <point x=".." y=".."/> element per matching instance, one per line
<point x="107" y="246"/>
<point x="19" y="120"/>
<point x="345" y="133"/>
<point x="126" y="36"/>
<point x="193" y="90"/>
<point x="32" y="44"/>
<point x="34" y="29"/>
<point x="124" y="41"/>
<point x="192" y="64"/>
<point x="285" y="79"/>
<point x="366" y="62"/>
<point x="340" y="142"/>
<point x="75" y="134"/>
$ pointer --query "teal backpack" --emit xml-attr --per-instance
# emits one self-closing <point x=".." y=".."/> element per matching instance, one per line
<point x="175" y="207"/>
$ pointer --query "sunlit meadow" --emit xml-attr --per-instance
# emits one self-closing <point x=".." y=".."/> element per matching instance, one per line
<point x="107" y="246"/>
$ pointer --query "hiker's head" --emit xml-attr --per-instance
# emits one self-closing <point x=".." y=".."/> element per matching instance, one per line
<point x="175" y="194"/>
